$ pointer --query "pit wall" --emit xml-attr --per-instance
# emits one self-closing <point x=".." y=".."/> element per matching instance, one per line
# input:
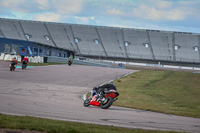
<point x="8" y="57"/>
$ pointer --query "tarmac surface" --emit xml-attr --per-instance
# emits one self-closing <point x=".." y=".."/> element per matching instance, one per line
<point x="56" y="92"/>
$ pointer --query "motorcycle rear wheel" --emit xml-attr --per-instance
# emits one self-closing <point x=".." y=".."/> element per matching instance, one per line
<point x="108" y="102"/>
<point x="12" y="68"/>
<point x="86" y="102"/>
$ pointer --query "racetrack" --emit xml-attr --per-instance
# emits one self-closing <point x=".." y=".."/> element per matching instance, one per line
<point x="56" y="92"/>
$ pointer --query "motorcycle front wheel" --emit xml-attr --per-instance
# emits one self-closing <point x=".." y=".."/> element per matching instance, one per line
<point x="86" y="102"/>
<point x="107" y="103"/>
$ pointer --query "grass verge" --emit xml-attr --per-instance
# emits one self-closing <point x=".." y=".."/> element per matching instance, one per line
<point x="168" y="92"/>
<point x="54" y="126"/>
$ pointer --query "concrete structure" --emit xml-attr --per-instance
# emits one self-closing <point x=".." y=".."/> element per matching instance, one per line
<point x="107" y="42"/>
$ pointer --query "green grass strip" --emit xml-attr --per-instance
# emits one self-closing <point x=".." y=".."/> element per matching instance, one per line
<point x="55" y="126"/>
<point x="168" y="92"/>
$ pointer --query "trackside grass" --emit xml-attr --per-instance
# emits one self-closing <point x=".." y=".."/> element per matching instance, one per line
<point x="168" y="92"/>
<point x="54" y="126"/>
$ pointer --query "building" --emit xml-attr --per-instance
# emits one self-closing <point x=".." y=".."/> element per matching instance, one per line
<point x="103" y="42"/>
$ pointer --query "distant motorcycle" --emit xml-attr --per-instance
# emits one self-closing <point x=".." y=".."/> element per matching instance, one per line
<point x="12" y="66"/>
<point x="107" y="100"/>
<point x="69" y="63"/>
<point x="24" y="64"/>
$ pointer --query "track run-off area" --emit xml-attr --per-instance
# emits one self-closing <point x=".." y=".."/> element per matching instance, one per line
<point x="56" y="92"/>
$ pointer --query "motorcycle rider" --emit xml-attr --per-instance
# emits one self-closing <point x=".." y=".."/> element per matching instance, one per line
<point x="102" y="88"/>
<point x="25" y="61"/>
<point x="13" y="64"/>
<point x="70" y="61"/>
<point x="14" y="61"/>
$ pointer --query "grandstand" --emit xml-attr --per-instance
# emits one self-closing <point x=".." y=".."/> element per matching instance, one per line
<point x="106" y="42"/>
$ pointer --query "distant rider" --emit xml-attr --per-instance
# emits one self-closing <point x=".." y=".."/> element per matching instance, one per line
<point x="14" y="61"/>
<point x="25" y="61"/>
<point x="70" y="61"/>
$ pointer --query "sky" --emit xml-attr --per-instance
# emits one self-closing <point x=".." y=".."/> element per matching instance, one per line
<point x="166" y="15"/>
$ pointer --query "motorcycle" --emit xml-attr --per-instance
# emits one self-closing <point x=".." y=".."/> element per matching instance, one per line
<point x="24" y="64"/>
<point x="108" y="98"/>
<point x="69" y="63"/>
<point x="12" y="66"/>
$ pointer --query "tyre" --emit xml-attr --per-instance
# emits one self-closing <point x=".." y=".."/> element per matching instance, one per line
<point x="107" y="103"/>
<point x="23" y="66"/>
<point x="86" y="102"/>
<point x="10" y="68"/>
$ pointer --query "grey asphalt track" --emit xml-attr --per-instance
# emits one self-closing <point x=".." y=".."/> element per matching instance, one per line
<point x="56" y="92"/>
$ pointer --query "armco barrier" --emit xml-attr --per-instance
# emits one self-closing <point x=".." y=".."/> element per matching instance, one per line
<point x="156" y="65"/>
<point x="93" y="63"/>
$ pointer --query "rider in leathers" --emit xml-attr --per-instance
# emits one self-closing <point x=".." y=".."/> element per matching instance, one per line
<point x="102" y="88"/>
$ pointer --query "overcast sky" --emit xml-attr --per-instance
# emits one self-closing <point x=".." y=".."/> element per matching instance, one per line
<point x="168" y="15"/>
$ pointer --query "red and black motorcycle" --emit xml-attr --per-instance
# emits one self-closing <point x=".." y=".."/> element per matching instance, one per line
<point x="105" y="102"/>
<point x="24" y="64"/>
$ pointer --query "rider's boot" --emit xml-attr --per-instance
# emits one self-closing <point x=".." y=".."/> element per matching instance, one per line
<point x="102" y="97"/>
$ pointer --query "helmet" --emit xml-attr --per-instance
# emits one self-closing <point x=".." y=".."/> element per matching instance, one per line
<point x="14" y="58"/>
<point x="95" y="88"/>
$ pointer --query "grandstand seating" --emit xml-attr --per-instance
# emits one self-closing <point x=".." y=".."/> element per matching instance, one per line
<point x="124" y="43"/>
<point x="136" y="48"/>
<point x="111" y="41"/>
<point x="60" y="36"/>
<point x="186" y="52"/>
<point x="162" y="45"/>
<point x="11" y="29"/>
<point x="37" y="31"/>
<point x="86" y="44"/>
